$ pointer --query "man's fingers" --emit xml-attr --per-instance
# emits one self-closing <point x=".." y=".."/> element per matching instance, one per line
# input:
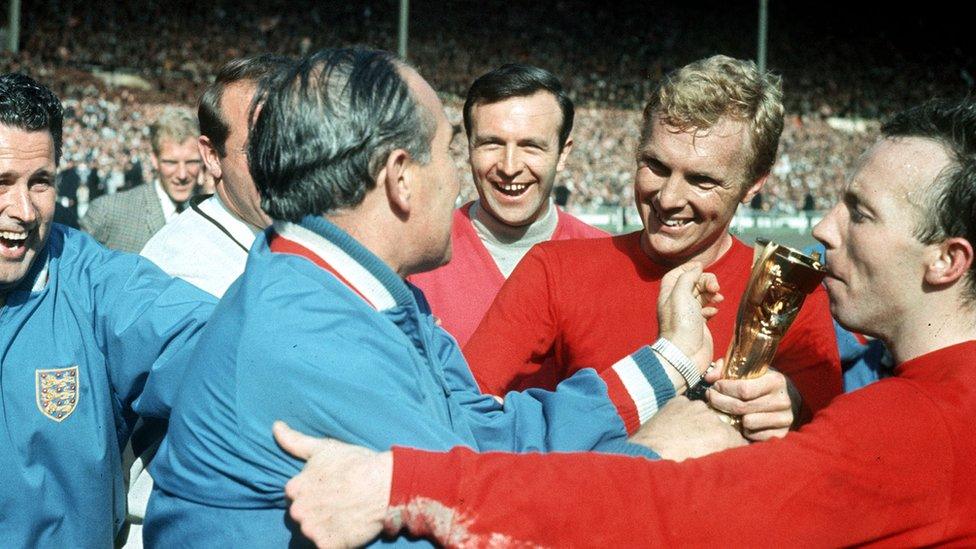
<point x="737" y="407"/>
<point x="297" y="444"/>
<point x="687" y="282"/>
<point x="714" y="372"/>
<point x="758" y="423"/>
<point x="670" y="278"/>
<point x="708" y="283"/>
<point x="750" y="389"/>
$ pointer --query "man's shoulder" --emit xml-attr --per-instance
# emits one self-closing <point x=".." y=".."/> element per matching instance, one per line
<point x="122" y="201"/>
<point x="189" y="228"/>
<point x="571" y="226"/>
<point x="124" y="197"/>
<point x="572" y="248"/>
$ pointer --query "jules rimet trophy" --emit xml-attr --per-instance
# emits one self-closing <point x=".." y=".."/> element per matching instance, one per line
<point x="780" y="280"/>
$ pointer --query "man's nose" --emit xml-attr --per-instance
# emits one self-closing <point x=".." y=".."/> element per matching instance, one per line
<point x="825" y="231"/>
<point x="511" y="163"/>
<point x="20" y="206"/>
<point x="672" y="196"/>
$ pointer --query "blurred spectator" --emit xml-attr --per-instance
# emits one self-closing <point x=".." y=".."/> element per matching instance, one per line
<point x="125" y="221"/>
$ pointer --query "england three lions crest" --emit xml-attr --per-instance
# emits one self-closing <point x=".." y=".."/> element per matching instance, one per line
<point x="57" y="392"/>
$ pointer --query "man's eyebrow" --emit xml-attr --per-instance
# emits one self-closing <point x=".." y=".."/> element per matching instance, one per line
<point x="854" y="200"/>
<point x="705" y="175"/>
<point x="533" y="141"/>
<point x="40" y="172"/>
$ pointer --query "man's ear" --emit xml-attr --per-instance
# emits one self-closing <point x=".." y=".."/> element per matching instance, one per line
<point x="210" y="157"/>
<point x="952" y="259"/>
<point x="395" y="178"/>
<point x="154" y="161"/>
<point x="754" y="188"/>
<point x="564" y="154"/>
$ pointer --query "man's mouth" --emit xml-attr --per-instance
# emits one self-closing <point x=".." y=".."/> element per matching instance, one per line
<point x="511" y="189"/>
<point x="673" y="222"/>
<point x="13" y="244"/>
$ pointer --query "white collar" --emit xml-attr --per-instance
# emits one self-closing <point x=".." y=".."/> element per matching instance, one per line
<point x="350" y="271"/>
<point x="169" y="209"/>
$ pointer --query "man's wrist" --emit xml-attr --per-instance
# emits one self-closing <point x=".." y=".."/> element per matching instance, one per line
<point x="676" y="361"/>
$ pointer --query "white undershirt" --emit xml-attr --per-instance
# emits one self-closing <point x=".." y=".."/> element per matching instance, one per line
<point x="507" y="245"/>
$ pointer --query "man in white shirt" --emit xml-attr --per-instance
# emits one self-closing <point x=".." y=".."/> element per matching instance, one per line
<point x="207" y="245"/>
<point x="125" y="221"/>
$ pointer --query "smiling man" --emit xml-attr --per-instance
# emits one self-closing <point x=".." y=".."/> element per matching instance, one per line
<point x="351" y="156"/>
<point x="89" y="338"/>
<point x="708" y="139"/>
<point x="890" y="464"/>
<point x="125" y="221"/>
<point x="518" y="121"/>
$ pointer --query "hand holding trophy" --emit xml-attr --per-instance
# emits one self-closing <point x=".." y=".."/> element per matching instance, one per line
<point x="780" y="280"/>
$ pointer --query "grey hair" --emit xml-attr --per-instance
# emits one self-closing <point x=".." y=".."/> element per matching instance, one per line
<point x="327" y="126"/>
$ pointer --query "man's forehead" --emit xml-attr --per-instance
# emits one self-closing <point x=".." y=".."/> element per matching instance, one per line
<point x="723" y="145"/>
<point x="18" y="146"/>
<point x="172" y="147"/>
<point x="537" y="111"/>
<point x="902" y="167"/>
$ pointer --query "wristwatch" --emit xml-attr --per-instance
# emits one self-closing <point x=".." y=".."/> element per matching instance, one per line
<point x="679" y="360"/>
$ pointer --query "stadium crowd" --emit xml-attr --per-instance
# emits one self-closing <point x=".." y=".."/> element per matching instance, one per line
<point x="173" y="51"/>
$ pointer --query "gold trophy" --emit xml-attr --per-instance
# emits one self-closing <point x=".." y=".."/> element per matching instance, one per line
<point x="780" y="280"/>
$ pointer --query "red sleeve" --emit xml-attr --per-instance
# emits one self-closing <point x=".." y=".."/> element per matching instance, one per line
<point x="509" y="350"/>
<point x="845" y="479"/>
<point x="809" y="356"/>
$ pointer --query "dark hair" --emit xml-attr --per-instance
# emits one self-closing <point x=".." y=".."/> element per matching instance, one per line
<point x="29" y="106"/>
<point x="326" y="128"/>
<point x="253" y="69"/>
<point x="517" y="80"/>
<point x="949" y="203"/>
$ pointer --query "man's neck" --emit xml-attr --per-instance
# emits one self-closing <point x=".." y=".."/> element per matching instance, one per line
<point x="258" y="221"/>
<point x="933" y="329"/>
<point x="507" y="244"/>
<point x="706" y="257"/>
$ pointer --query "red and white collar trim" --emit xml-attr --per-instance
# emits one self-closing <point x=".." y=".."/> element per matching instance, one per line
<point x="294" y="239"/>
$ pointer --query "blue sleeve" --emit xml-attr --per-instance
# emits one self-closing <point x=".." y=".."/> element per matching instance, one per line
<point x="147" y="323"/>
<point x="335" y="377"/>
<point x="578" y="416"/>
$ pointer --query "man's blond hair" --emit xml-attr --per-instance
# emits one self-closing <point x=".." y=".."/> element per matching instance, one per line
<point x="173" y="125"/>
<point x="699" y="95"/>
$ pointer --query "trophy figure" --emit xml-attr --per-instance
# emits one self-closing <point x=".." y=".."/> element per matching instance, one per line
<point x="780" y="280"/>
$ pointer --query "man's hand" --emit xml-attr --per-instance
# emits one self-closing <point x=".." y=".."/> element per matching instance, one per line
<point x="687" y="298"/>
<point x="341" y="497"/>
<point x="764" y="402"/>
<point x="685" y="429"/>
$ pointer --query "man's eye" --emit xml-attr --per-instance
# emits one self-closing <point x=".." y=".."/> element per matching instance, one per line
<point x="656" y="168"/>
<point x="856" y="215"/>
<point x="702" y="182"/>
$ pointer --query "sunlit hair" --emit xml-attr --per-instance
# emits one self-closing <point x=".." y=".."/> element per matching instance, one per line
<point x="701" y="94"/>
<point x="174" y="125"/>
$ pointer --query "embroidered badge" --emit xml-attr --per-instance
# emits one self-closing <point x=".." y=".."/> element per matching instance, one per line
<point x="57" y="392"/>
